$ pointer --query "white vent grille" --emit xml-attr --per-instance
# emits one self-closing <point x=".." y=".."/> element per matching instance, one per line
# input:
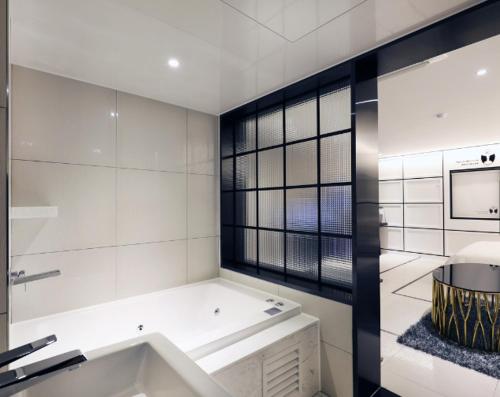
<point x="281" y="374"/>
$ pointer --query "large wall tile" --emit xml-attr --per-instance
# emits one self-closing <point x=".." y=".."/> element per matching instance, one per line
<point x="335" y="318"/>
<point x="336" y="371"/>
<point x="203" y="259"/>
<point x="202" y="206"/>
<point x="87" y="278"/>
<point x="143" y="268"/>
<point x="61" y="120"/>
<point x="202" y="143"/>
<point x="151" y="135"/>
<point x="151" y="206"/>
<point x="85" y="196"/>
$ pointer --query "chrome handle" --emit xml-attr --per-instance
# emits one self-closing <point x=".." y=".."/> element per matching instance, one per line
<point x="20" y="277"/>
<point x="21" y="351"/>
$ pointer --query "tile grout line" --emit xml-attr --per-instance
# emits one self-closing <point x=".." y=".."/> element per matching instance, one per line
<point x="116" y="193"/>
<point x="187" y="195"/>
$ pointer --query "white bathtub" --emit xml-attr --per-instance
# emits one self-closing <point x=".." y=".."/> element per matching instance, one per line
<point x="198" y="318"/>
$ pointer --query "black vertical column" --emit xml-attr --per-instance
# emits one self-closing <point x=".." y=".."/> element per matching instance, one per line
<point x="366" y="244"/>
<point x="4" y="268"/>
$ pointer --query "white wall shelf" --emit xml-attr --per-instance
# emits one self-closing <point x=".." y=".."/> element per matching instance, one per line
<point x="33" y="212"/>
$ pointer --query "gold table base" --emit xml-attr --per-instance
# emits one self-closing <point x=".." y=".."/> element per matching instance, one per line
<point x="467" y="317"/>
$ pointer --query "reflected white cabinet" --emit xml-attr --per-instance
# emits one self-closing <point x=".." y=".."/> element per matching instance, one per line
<point x="392" y="214"/>
<point x="429" y="190"/>
<point x="424" y="241"/>
<point x="391" y="238"/>
<point x="423" y="165"/>
<point x="391" y="191"/>
<point x="423" y="215"/>
<point x="390" y="168"/>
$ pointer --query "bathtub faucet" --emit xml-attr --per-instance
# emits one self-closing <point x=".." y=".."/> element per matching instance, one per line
<point x="18" y="379"/>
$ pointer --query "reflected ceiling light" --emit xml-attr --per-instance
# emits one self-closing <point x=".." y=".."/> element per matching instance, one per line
<point x="481" y="72"/>
<point x="174" y="63"/>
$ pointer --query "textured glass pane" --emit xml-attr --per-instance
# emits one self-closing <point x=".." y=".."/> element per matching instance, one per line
<point x="302" y="209"/>
<point x="336" y="210"/>
<point x="271" y="249"/>
<point x="300" y="118"/>
<point x="271" y="211"/>
<point x="226" y="139"/>
<point x="245" y="171"/>
<point x="271" y="128"/>
<point x="271" y="168"/>
<point x="336" y="261"/>
<point x="245" y="135"/>
<point x="245" y="245"/>
<point x="335" y="109"/>
<point x="227" y="244"/>
<point x="246" y="208"/>
<point x="227" y="208"/>
<point x="301" y="165"/>
<point x="227" y="174"/>
<point x="302" y="255"/>
<point x="336" y="158"/>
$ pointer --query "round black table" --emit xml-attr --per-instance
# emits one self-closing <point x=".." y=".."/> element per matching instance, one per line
<point x="466" y="304"/>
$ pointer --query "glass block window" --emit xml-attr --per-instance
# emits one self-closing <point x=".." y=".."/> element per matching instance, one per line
<point x="246" y="131"/>
<point x="286" y="194"/>
<point x="300" y="118"/>
<point x="270" y="127"/>
<point x="335" y="108"/>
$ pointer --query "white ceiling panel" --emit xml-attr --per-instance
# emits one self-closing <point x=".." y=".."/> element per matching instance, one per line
<point x="230" y="51"/>
<point x="444" y="104"/>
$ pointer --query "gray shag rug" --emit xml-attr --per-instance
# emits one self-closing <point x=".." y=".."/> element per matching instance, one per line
<point x="422" y="336"/>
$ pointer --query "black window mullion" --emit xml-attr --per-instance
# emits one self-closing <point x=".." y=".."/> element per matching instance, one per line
<point x="284" y="194"/>
<point x="318" y="175"/>
<point x="257" y="260"/>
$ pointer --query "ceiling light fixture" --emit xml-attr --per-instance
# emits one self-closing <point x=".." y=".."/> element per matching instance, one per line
<point x="481" y="72"/>
<point x="174" y="63"/>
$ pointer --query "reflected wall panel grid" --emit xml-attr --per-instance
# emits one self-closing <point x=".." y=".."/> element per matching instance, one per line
<point x="286" y="202"/>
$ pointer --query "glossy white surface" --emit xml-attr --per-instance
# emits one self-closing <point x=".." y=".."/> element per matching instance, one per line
<point x="185" y="315"/>
<point x="140" y="216"/>
<point x="423" y="215"/>
<point x="33" y="212"/>
<point x="85" y="196"/>
<point x="423" y="165"/>
<point x="143" y="268"/>
<point x="390" y="168"/>
<point x="455" y="240"/>
<point x="151" y="206"/>
<point x="409" y="102"/>
<point x="390" y="192"/>
<point x="393" y="214"/>
<point x="226" y="56"/>
<point x="62" y="120"/>
<point x="426" y="241"/>
<point x="391" y="238"/>
<point x="151" y="135"/>
<point x="144" y="366"/>
<point x="428" y="190"/>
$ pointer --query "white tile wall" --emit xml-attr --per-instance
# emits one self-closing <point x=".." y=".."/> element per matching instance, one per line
<point x="423" y="165"/>
<point x="202" y="206"/>
<point x="84" y="195"/>
<point x="391" y="238"/>
<point x="203" y="259"/>
<point x="75" y="123"/>
<point x="428" y="190"/>
<point x="143" y="268"/>
<point x="132" y="183"/>
<point x="87" y="278"/>
<point x="390" y="192"/>
<point x="151" y="135"/>
<point x="390" y="168"/>
<point x="151" y="206"/>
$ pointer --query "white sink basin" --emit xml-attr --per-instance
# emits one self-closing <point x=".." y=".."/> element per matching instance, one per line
<point x="149" y="366"/>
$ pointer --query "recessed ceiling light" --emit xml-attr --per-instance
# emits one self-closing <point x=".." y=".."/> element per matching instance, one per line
<point x="441" y="115"/>
<point x="173" y="63"/>
<point x="482" y="72"/>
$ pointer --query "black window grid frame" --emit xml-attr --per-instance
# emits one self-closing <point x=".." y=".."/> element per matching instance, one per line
<point x="327" y="288"/>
